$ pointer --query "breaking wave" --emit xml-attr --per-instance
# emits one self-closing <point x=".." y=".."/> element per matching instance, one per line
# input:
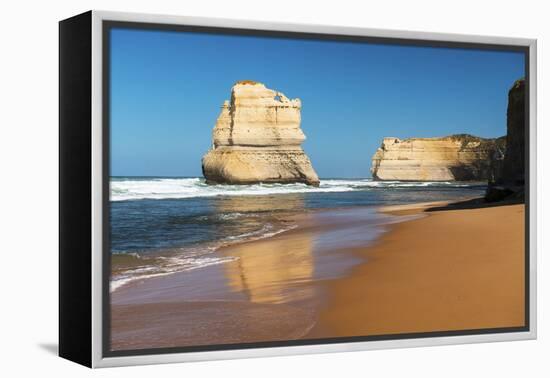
<point x="126" y="189"/>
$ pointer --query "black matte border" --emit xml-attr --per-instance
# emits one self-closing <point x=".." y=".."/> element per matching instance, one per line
<point x="107" y="26"/>
<point x="75" y="189"/>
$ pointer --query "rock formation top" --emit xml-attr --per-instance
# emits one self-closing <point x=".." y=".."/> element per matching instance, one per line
<point x="257" y="138"/>
<point x="460" y="157"/>
<point x="258" y="116"/>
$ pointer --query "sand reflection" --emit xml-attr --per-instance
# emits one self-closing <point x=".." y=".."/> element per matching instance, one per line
<point x="259" y="204"/>
<point x="274" y="270"/>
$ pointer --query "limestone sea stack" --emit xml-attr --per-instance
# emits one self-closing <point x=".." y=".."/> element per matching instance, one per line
<point x="460" y="157"/>
<point x="257" y="139"/>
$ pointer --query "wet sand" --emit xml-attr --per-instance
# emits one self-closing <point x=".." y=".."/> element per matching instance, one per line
<point x="271" y="290"/>
<point x="333" y="276"/>
<point x="452" y="270"/>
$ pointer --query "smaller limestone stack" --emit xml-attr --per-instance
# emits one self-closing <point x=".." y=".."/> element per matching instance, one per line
<point x="257" y="139"/>
<point x="509" y="176"/>
<point x="454" y="158"/>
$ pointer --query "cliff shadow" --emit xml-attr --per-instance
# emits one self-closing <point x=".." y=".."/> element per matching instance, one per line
<point x="475" y="170"/>
<point x="476" y="203"/>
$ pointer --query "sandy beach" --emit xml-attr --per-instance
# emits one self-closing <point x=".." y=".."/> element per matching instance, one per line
<point x="452" y="270"/>
<point x="422" y="271"/>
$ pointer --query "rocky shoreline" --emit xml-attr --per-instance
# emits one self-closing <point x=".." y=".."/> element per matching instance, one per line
<point x="258" y="139"/>
<point x="463" y="157"/>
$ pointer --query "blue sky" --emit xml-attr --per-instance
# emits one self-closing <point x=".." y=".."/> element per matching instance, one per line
<point x="167" y="89"/>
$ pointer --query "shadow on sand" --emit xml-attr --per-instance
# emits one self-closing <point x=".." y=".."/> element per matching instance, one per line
<point x="476" y="203"/>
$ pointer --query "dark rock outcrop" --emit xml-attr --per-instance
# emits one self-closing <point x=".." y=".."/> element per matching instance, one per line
<point x="513" y="168"/>
<point x="509" y="175"/>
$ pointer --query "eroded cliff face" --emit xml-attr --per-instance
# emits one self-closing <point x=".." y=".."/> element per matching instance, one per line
<point x="513" y="167"/>
<point x="453" y="158"/>
<point x="509" y="176"/>
<point x="257" y="138"/>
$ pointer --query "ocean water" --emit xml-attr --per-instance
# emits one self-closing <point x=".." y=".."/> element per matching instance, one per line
<point x="163" y="225"/>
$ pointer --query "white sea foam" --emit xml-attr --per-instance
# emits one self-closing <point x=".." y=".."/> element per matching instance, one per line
<point x="186" y="259"/>
<point x="175" y="188"/>
<point x="263" y="233"/>
<point x="172" y="265"/>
